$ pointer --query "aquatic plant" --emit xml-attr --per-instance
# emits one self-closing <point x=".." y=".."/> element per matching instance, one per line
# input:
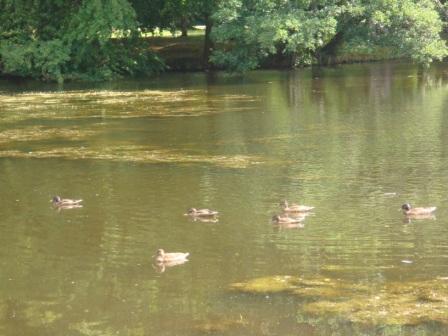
<point x="394" y="303"/>
<point x="139" y="154"/>
<point x="106" y="104"/>
<point x="34" y="133"/>
<point x="220" y="324"/>
<point x="298" y="286"/>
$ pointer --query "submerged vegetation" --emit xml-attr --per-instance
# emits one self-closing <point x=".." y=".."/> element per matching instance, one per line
<point x="34" y="133"/>
<point x="394" y="303"/>
<point x="119" y="104"/>
<point x="103" y="39"/>
<point x="138" y="154"/>
<point x="110" y="105"/>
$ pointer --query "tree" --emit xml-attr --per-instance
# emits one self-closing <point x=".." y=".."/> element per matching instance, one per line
<point x="165" y="14"/>
<point x="180" y="14"/>
<point x="59" y="39"/>
<point x="149" y="14"/>
<point x="251" y="30"/>
<point x="204" y="11"/>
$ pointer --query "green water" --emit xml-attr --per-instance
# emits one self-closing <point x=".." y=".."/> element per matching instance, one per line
<point x="354" y="141"/>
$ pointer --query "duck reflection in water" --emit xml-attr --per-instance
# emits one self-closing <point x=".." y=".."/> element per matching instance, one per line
<point x="281" y="226"/>
<point x="286" y="219"/>
<point x="204" y="219"/>
<point x="160" y="267"/>
<point x="408" y="218"/>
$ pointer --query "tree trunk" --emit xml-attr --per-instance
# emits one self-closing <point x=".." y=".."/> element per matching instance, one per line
<point x="327" y="53"/>
<point x="184" y="27"/>
<point x="208" y="43"/>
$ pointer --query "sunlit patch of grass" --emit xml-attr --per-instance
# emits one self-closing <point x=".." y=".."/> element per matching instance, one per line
<point x="119" y="104"/>
<point x="34" y="133"/>
<point x="138" y="154"/>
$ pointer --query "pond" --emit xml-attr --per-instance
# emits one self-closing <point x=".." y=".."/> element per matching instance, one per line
<point x="354" y="141"/>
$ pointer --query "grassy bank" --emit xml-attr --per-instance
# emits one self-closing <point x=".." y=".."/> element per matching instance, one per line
<point x="179" y="53"/>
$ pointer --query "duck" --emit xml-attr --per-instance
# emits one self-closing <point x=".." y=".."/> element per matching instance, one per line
<point x="279" y="219"/>
<point x="295" y="207"/>
<point x="65" y="202"/>
<point x="201" y="212"/>
<point x="170" y="258"/>
<point x="410" y="211"/>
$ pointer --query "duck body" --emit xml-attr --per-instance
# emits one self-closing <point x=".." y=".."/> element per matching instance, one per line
<point x="410" y="211"/>
<point x="65" y="202"/>
<point x="279" y="219"/>
<point x="201" y="212"/>
<point x="170" y="258"/>
<point x="295" y="207"/>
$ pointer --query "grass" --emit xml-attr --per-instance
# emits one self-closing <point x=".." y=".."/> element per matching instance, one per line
<point x="179" y="53"/>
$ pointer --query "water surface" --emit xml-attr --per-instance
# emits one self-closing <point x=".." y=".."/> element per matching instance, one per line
<point x="354" y="141"/>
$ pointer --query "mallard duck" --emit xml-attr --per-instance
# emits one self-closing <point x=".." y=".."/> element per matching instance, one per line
<point x="174" y="257"/>
<point x="65" y="202"/>
<point x="279" y="219"/>
<point x="201" y="212"/>
<point x="410" y="211"/>
<point x="295" y="207"/>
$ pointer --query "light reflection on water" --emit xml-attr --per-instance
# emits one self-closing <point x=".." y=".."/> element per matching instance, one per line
<point x="355" y="142"/>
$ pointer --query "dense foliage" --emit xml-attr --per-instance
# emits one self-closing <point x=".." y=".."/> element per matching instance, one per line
<point x="101" y="39"/>
<point x="304" y="30"/>
<point x="57" y="39"/>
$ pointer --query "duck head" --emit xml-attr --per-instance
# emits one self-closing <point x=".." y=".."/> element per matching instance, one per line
<point x="159" y="253"/>
<point x="406" y="207"/>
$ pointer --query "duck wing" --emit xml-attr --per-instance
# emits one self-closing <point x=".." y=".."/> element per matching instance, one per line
<point x="427" y="210"/>
<point x="206" y="212"/>
<point x="68" y="201"/>
<point x="298" y="208"/>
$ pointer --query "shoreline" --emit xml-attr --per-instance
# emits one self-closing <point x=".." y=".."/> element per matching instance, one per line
<point x="185" y="55"/>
